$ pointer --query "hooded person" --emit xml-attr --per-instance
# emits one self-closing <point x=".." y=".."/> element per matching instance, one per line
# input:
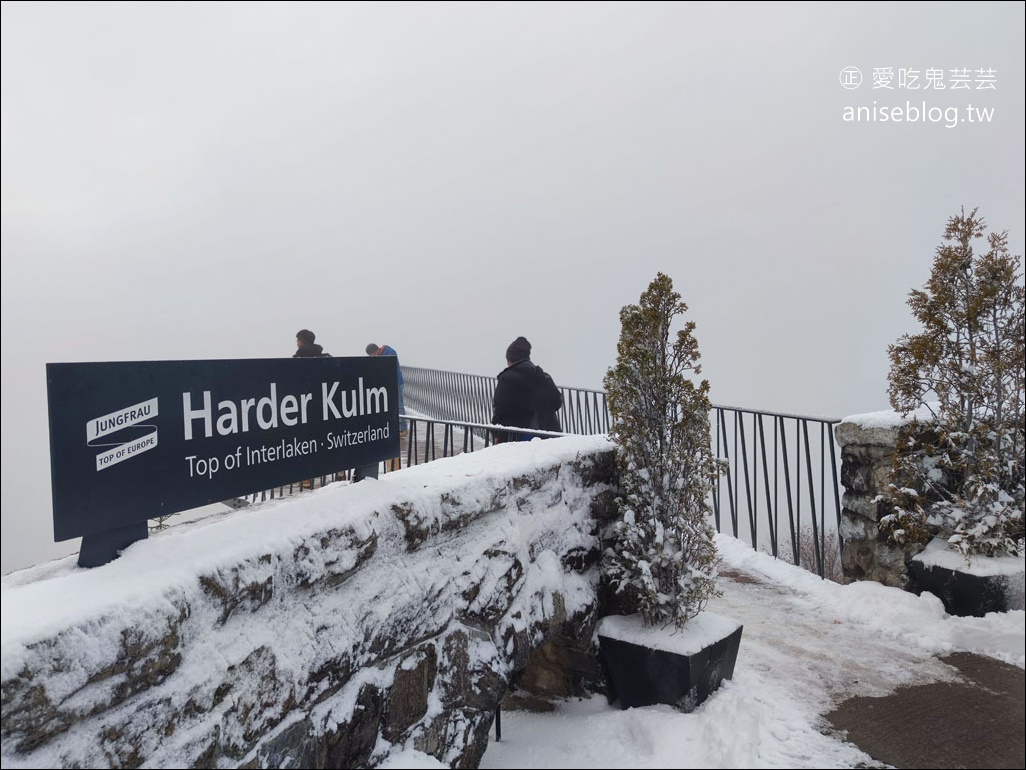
<point x="525" y="396"/>
<point x="306" y="347"/>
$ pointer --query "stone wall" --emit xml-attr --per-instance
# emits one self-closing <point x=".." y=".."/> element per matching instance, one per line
<point x="867" y="447"/>
<point x="361" y="629"/>
<point x="965" y="586"/>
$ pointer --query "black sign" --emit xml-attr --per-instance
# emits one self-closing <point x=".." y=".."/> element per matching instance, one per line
<point x="131" y="441"/>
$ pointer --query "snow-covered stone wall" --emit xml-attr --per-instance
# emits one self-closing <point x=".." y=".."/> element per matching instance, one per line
<point x="867" y="445"/>
<point x="966" y="586"/>
<point x="335" y="630"/>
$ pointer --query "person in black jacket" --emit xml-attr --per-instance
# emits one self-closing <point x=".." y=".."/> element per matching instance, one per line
<point x="525" y="396"/>
<point x="306" y="347"/>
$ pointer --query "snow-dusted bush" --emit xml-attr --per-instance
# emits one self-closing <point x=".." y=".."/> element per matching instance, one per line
<point x="663" y="555"/>
<point x="960" y="473"/>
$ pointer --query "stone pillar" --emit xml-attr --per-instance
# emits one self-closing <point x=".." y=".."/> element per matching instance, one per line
<point x="866" y="450"/>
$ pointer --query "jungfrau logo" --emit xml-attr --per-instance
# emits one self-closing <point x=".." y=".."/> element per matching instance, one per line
<point x="124" y="431"/>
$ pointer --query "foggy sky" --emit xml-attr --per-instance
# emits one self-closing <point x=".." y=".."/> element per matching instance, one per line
<point x="201" y="180"/>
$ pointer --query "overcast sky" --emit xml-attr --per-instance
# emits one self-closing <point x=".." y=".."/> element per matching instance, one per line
<point x="201" y="180"/>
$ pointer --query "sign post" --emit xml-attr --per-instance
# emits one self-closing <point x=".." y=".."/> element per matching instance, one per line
<point x="131" y="441"/>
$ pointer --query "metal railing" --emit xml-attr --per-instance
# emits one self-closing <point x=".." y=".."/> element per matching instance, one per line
<point x="426" y="439"/>
<point x="774" y="481"/>
<point x="780" y="492"/>
<point x="468" y="397"/>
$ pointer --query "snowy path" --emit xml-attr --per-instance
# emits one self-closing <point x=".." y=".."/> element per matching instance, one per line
<point x="807" y="645"/>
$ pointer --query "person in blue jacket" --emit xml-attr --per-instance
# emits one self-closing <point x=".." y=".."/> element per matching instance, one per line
<point x="388" y="350"/>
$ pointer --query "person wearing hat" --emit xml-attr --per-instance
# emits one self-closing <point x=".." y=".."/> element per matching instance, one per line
<point x="525" y="396"/>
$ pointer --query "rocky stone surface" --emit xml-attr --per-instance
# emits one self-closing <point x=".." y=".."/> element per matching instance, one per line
<point x="865" y="469"/>
<point x="402" y="627"/>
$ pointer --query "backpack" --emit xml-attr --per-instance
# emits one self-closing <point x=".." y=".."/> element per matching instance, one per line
<point x="547" y="400"/>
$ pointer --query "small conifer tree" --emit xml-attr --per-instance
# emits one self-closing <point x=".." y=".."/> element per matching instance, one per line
<point x="663" y="556"/>
<point x="959" y="474"/>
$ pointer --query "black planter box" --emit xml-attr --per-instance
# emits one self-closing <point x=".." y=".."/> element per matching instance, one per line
<point x="962" y="593"/>
<point x="642" y="676"/>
